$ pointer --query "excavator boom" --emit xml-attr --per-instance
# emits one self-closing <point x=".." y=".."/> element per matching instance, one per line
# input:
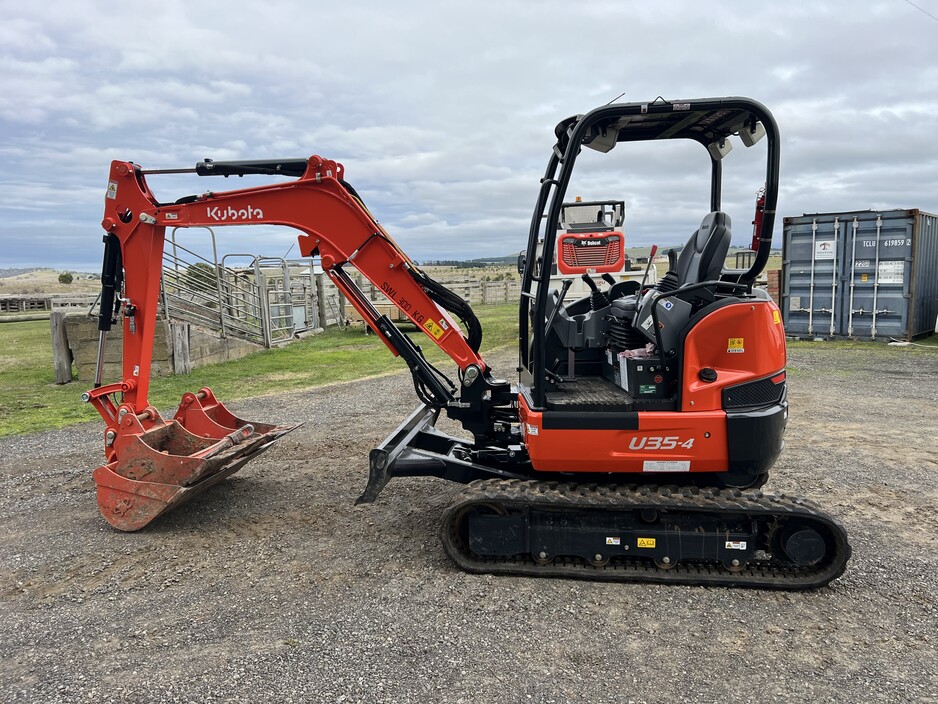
<point x="154" y="464"/>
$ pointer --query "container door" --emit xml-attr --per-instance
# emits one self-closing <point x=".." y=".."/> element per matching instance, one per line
<point x="923" y="304"/>
<point x="814" y="253"/>
<point x="878" y="275"/>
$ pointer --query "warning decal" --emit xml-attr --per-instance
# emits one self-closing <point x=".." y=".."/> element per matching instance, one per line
<point x="776" y="317"/>
<point x="112" y="189"/>
<point x="435" y="330"/>
<point x="735" y="345"/>
<point x="613" y="541"/>
<point x="646" y="542"/>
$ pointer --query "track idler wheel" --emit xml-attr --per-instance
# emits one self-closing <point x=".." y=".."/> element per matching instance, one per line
<point x="802" y="546"/>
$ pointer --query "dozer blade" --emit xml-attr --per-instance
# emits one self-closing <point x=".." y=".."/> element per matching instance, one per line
<point x="161" y="468"/>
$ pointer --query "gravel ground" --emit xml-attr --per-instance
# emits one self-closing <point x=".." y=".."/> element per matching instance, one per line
<point x="273" y="586"/>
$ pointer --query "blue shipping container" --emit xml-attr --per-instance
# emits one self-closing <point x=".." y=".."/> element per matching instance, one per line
<point x="862" y="274"/>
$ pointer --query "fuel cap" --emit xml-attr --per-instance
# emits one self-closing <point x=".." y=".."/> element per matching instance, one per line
<point x="707" y="374"/>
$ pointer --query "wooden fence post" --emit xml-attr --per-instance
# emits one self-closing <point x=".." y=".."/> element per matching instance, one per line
<point x="321" y="300"/>
<point x="61" y="354"/>
<point x="181" y="359"/>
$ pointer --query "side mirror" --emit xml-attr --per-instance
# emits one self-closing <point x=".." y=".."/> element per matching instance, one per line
<point x="521" y="262"/>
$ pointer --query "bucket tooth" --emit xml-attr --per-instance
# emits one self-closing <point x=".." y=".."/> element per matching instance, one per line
<point x="203" y="414"/>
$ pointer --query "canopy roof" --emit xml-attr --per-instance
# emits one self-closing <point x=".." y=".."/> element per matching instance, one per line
<point x="705" y="121"/>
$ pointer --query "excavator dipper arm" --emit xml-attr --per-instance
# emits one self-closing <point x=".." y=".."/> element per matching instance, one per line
<point x="334" y="223"/>
<point x="153" y="464"/>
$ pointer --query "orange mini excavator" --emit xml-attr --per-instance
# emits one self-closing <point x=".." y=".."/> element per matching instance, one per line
<point x="631" y="446"/>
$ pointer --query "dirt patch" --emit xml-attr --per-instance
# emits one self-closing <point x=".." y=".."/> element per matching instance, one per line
<point x="274" y="586"/>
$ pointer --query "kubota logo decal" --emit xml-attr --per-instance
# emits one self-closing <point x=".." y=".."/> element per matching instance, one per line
<point x="230" y="213"/>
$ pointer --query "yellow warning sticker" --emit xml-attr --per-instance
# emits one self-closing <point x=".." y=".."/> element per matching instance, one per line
<point x="646" y="542"/>
<point x="735" y="345"/>
<point x="864" y="277"/>
<point x="776" y="317"/>
<point x="435" y="330"/>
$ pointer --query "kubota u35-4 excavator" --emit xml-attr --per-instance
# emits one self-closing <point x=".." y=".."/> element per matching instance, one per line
<point x="629" y="448"/>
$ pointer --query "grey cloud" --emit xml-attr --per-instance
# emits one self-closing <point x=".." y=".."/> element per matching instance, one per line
<point x="444" y="115"/>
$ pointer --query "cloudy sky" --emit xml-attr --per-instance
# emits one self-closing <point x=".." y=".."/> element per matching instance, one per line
<point x="443" y="113"/>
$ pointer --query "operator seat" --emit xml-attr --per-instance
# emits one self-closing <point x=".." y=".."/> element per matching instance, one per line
<point x="701" y="260"/>
<point x="703" y="256"/>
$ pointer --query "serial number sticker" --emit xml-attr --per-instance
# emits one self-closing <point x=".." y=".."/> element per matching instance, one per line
<point x="112" y="189"/>
<point x="735" y="545"/>
<point x="776" y="317"/>
<point x="735" y="345"/>
<point x="666" y="466"/>
<point x="613" y="541"/>
<point x="435" y="330"/>
<point x="646" y="542"/>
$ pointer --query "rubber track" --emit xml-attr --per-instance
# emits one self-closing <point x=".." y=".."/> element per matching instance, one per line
<point x="518" y="494"/>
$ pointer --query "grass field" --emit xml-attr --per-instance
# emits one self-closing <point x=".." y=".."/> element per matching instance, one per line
<point x="30" y="401"/>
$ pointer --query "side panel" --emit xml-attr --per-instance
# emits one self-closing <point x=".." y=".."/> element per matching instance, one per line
<point x="663" y="442"/>
<point x="924" y="289"/>
<point x="740" y="342"/>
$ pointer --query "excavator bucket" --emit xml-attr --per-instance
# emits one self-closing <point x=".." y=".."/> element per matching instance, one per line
<point x="167" y="464"/>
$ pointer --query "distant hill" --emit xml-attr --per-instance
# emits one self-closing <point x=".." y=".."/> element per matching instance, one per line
<point x="473" y="263"/>
<point x="6" y="273"/>
<point x="511" y="259"/>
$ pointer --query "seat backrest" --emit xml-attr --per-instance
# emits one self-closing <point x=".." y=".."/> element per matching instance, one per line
<point x="705" y="252"/>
